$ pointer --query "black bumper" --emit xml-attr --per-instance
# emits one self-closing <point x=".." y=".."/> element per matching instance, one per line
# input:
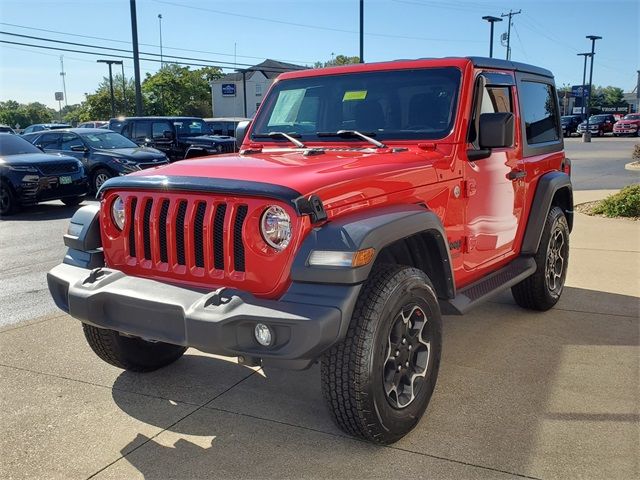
<point x="306" y="322"/>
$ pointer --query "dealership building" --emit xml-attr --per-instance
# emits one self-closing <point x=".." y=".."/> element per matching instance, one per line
<point x="239" y="94"/>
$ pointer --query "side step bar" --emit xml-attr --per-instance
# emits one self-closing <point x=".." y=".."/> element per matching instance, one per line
<point x="485" y="288"/>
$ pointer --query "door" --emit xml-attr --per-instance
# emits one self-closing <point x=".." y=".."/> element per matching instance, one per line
<point x="163" y="136"/>
<point x="141" y="132"/>
<point x="494" y="187"/>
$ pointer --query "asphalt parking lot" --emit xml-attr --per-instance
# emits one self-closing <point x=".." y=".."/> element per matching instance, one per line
<point x="520" y="395"/>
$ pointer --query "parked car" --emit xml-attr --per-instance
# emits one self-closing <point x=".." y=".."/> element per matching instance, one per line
<point x="570" y="124"/>
<point x="28" y="176"/>
<point x="628" y="125"/>
<point x="178" y="137"/>
<point x="365" y="200"/>
<point x="94" y="124"/>
<point x="7" y="129"/>
<point x="225" y="125"/>
<point x="103" y="153"/>
<point x="598" y="124"/>
<point x="39" y="127"/>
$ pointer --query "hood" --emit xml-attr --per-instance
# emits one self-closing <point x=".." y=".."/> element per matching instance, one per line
<point x="364" y="174"/>
<point x="138" y="154"/>
<point x="206" y="139"/>
<point x="34" y="159"/>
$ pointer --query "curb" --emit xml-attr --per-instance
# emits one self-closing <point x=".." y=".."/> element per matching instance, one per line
<point x="632" y="166"/>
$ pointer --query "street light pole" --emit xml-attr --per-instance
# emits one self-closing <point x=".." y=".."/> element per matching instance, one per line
<point x="113" y="100"/>
<point x="136" y="56"/>
<point x="586" y="137"/>
<point x="584" y="78"/>
<point x="160" y="24"/>
<point x="361" y="31"/>
<point x="491" y="20"/>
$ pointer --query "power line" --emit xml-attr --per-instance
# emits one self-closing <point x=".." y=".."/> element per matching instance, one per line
<point x="314" y="27"/>
<point x="144" y="44"/>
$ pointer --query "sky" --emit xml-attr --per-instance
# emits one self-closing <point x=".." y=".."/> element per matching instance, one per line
<point x="549" y="34"/>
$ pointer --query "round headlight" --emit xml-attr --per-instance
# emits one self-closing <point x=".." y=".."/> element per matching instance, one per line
<point x="275" y="226"/>
<point x="117" y="212"/>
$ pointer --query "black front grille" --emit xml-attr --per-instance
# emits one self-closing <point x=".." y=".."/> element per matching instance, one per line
<point x="58" y="168"/>
<point x="238" y="244"/>
<point x="132" y="230"/>
<point x="146" y="231"/>
<point x="229" y="147"/>
<point x="162" y="230"/>
<point x="182" y="210"/>
<point x="218" y="236"/>
<point x="198" y="234"/>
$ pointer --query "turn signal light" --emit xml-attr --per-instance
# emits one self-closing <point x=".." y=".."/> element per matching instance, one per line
<point x="363" y="257"/>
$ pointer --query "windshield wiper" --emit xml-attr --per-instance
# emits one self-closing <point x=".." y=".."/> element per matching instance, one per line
<point x="288" y="136"/>
<point x="353" y="133"/>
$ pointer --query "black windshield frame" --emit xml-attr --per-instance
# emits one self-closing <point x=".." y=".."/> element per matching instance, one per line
<point x="407" y="104"/>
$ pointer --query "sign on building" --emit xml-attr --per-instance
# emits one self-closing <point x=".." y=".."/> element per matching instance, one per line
<point x="228" y="89"/>
<point x="59" y="96"/>
<point x="579" y="91"/>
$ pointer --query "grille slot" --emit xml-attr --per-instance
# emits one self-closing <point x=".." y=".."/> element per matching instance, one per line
<point x="238" y="245"/>
<point x="218" y="236"/>
<point x="58" y="168"/>
<point x="180" y="253"/>
<point x="162" y="230"/>
<point x="132" y="227"/>
<point x="146" y="230"/>
<point x="198" y="234"/>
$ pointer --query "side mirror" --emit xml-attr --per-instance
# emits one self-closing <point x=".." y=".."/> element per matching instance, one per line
<point x="496" y="130"/>
<point x="79" y="148"/>
<point x="241" y="132"/>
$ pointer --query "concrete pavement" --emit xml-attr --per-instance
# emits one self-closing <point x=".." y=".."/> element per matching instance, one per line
<point x="549" y="395"/>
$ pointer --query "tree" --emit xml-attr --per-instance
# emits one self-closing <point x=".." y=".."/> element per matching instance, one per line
<point x="97" y="105"/>
<point x="13" y="113"/>
<point x="178" y="90"/>
<point x="607" y="97"/>
<point x="338" y="60"/>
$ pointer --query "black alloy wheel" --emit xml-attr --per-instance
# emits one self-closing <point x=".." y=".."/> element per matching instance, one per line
<point x="557" y="251"/>
<point x="7" y="199"/>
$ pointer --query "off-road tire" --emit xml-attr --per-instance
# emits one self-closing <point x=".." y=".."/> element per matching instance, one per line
<point x="352" y="371"/>
<point x="534" y="292"/>
<point x="72" y="201"/>
<point x="130" y="353"/>
<point x="8" y="203"/>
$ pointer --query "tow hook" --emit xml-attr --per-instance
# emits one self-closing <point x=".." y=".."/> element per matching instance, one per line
<point x="94" y="275"/>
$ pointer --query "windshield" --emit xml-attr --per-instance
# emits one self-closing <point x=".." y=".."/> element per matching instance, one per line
<point x="192" y="127"/>
<point x="14" y="145"/>
<point x="107" y="140"/>
<point x="598" y="118"/>
<point x="400" y="104"/>
<point x="632" y="117"/>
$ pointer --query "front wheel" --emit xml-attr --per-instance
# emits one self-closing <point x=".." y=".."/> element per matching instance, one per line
<point x="542" y="290"/>
<point x="73" y="201"/>
<point x="8" y="203"/>
<point x="130" y="353"/>
<point x="378" y="382"/>
<point x="99" y="177"/>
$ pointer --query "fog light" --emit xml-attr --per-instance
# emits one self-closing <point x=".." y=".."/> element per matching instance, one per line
<point x="263" y="334"/>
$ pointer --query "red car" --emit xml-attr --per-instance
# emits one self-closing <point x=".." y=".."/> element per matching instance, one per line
<point x="629" y="125"/>
<point x="366" y="201"/>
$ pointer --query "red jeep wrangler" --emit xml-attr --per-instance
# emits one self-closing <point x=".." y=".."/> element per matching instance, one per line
<point x="366" y="200"/>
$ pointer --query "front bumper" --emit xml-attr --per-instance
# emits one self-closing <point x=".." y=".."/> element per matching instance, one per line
<point x="34" y="188"/>
<point x="625" y="130"/>
<point x="305" y="323"/>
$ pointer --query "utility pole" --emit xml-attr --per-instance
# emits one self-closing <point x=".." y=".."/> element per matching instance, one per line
<point x="136" y="56"/>
<point x="638" y="93"/>
<point x="584" y="79"/>
<point x="586" y="137"/>
<point x="510" y="14"/>
<point x="160" y="24"/>
<point x="361" y="31"/>
<point x="113" y="98"/>
<point x="64" y="83"/>
<point x="491" y="20"/>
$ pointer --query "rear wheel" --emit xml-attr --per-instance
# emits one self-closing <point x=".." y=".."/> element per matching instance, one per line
<point x="130" y="353"/>
<point x="542" y="290"/>
<point x="8" y="203"/>
<point x="378" y="382"/>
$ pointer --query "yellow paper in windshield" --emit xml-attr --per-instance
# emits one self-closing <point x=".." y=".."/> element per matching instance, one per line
<point x="354" y="95"/>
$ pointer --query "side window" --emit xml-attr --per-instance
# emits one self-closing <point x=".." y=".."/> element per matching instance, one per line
<point x="140" y="131"/>
<point x="70" y="140"/>
<point x="49" y="141"/>
<point x="496" y="100"/>
<point x="539" y="109"/>
<point x="158" y="130"/>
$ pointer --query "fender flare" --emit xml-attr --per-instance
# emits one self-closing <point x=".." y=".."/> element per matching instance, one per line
<point x="376" y="229"/>
<point x="546" y="189"/>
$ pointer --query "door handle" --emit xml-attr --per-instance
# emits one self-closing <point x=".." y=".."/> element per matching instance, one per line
<point x="516" y="174"/>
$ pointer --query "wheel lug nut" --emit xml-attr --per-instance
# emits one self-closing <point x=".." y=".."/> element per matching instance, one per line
<point x="404" y="340"/>
<point x="410" y="347"/>
<point x="399" y="367"/>
<point x="397" y="353"/>
<point x="406" y="364"/>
